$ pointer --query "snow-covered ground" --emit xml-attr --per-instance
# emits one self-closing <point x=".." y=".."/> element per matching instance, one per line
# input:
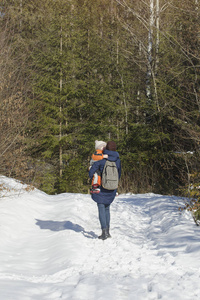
<point x="49" y="248"/>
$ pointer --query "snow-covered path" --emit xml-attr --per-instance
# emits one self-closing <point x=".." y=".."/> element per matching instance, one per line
<point x="49" y="248"/>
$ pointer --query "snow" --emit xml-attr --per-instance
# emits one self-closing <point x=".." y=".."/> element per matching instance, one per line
<point x="49" y="247"/>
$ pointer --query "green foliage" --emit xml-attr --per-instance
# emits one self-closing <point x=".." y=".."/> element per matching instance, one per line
<point x="84" y="68"/>
<point x="192" y="192"/>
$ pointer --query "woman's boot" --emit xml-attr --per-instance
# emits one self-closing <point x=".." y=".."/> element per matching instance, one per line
<point x="108" y="233"/>
<point x="103" y="236"/>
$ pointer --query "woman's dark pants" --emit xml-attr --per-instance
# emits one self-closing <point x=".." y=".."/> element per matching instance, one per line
<point x="104" y="215"/>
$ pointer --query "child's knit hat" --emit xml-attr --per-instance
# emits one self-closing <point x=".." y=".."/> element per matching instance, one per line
<point x="100" y="145"/>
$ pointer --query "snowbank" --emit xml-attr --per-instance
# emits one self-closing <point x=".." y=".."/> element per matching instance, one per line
<point x="49" y="248"/>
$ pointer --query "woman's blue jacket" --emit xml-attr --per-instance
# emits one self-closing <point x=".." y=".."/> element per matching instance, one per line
<point x="105" y="196"/>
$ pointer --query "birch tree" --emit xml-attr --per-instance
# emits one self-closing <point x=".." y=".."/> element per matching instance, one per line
<point x="150" y="48"/>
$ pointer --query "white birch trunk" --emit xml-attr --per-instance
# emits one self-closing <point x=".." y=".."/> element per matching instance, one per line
<point x="150" y="48"/>
<point x="198" y="36"/>
<point x="20" y="22"/>
<point x="121" y="77"/>
<point x="197" y="7"/>
<point x="101" y="27"/>
<point x="157" y="51"/>
<point x="157" y="35"/>
<point x="197" y="4"/>
<point x="125" y="105"/>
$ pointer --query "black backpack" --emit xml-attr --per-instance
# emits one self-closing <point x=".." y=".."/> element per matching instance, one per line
<point x="110" y="176"/>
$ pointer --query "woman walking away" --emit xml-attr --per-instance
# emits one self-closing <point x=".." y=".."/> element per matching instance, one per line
<point x="106" y="196"/>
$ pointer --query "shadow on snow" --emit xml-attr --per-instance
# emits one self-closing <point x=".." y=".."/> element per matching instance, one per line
<point x="64" y="225"/>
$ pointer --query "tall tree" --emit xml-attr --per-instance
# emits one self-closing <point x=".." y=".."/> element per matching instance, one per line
<point x="14" y="90"/>
<point x="83" y="73"/>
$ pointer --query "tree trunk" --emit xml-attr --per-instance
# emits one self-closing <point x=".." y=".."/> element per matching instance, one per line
<point x="157" y="51"/>
<point x="157" y="36"/>
<point x="61" y="81"/>
<point x="20" y="21"/>
<point x="197" y="4"/>
<point x="149" y="50"/>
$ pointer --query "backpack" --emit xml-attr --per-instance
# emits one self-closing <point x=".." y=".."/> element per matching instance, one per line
<point x="110" y="176"/>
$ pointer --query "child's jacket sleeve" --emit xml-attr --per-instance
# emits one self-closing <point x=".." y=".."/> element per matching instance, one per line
<point x="97" y="155"/>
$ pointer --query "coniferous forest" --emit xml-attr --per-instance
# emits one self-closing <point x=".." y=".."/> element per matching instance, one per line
<point x="76" y="71"/>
